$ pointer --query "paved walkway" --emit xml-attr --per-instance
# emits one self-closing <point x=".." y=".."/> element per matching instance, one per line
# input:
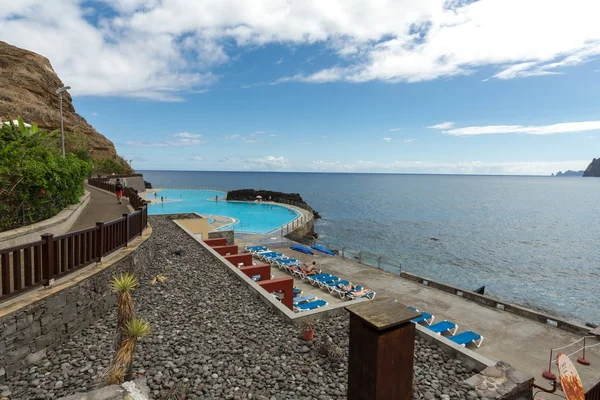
<point x="519" y="341"/>
<point x="103" y="206"/>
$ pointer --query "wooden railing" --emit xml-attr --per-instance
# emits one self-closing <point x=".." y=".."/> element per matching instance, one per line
<point x="135" y="200"/>
<point x="30" y="265"/>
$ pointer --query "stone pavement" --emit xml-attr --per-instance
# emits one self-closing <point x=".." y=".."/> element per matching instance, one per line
<point x="103" y="207"/>
<point x="522" y="342"/>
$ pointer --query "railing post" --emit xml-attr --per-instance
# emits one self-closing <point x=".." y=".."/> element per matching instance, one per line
<point x="343" y="249"/>
<point x="100" y="241"/>
<point x="48" y="258"/>
<point x="126" y="228"/>
<point x="360" y="257"/>
<point x="379" y="262"/>
<point x="382" y="343"/>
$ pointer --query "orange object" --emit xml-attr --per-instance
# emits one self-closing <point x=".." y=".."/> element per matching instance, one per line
<point x="569" y="378"/>
<point x="308" y="334"/>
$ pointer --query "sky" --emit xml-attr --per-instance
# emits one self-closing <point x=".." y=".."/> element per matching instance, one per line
<point x="391" y="86"/>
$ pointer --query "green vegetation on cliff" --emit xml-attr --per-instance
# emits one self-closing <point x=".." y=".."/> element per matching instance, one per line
<point x="29" y="85"/>
<point x="36" y="181"/>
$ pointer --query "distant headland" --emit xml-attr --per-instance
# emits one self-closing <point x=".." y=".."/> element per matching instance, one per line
<point x="568" y="173"/>
<point x="592" y="170"/>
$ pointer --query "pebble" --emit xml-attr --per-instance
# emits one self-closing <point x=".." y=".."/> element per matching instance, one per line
<point x="210" y="333"/>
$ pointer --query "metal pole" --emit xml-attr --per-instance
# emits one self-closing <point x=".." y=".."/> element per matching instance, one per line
<point x="62" y="132"/>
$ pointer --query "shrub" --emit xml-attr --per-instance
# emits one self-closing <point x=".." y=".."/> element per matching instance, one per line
<point x="36" y="182"/>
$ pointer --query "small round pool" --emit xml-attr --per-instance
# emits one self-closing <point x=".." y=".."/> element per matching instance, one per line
<point x="252" y="217"/>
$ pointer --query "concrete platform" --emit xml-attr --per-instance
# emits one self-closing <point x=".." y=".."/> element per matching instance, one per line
<point x="519" y="341"/>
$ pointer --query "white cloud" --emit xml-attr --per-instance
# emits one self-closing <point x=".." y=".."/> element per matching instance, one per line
<point x="394" y="129"/>
<point x="279" y="61"/>
<point x="195" y="158"/>
<point x="249" y="141"/>
<point x="460" y="167"/>
<point x="95" y="114"/>
<point x="443" y="125"/>
<point x="233" y="137"/>
<point x="387" y="139"/>
<point x="159" y="50"/>
<point x="565" y="127"/>
<point x="259" y="132"/>
<point x="168" y="143"/>
<point x="409" y="140"/>
<point x="591" y="137"/>
<point x="320" y="162"/>
<point x="269" y="162"/>
<point x="188" y="135"/>
<point x="274" y="134"/>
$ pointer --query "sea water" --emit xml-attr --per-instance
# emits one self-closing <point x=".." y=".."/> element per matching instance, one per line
<point x="532" y="241"/>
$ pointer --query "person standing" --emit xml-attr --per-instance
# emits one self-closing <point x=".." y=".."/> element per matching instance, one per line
<point x="118" y="190"/>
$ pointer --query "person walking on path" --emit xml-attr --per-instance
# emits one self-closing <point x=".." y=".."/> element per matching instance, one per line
<point x="118" y="190"/>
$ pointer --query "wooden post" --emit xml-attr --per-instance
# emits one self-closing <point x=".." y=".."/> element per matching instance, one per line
<point x="100" y="241"/>
<point x="382" y="342"/>
<point x="48" y="258"/>
<point x="126" y="228"/>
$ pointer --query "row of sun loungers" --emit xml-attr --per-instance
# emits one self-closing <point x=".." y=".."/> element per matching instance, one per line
<point x="462" y="339"/>
<point x="331" y="283"/>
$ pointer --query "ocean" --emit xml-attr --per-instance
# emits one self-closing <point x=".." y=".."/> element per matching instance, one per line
<point x="532" y="241"/>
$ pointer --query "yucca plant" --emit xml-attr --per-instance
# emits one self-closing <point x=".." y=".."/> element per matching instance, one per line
<point x="123" y="284"/>
<point x="121" y="368"/>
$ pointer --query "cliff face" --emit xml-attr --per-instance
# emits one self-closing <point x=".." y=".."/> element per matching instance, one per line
<point x="593" y="169"/>
<point x="28" y="89"/>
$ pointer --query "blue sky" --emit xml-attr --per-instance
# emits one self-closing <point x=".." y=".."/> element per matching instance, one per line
<point x="436" y="86"/>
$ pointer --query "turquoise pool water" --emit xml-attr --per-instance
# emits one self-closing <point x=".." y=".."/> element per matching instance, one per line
<point x="251" y="217"/>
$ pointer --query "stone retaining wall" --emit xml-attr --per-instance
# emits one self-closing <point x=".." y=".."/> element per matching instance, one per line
<point x="229" y="235"/>
<point x="29" y="331"/>
<point x="501" y="305"/>
<point x="57" y="225"/>
<point x="299" y="234"/>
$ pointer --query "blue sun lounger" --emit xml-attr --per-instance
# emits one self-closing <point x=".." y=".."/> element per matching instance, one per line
<point x="333" y="286"/>
<point x="269" y="254"/>
<point x="467" y="337"/>
<point x="317" y="279"/>
<point x="326" y="281"/>
<point x="444" y="326"/>
<point x="304" y="299"/>
<point x="310" y="306"/>
<point x="425" y="317"/>
<point x="256" y="249"/>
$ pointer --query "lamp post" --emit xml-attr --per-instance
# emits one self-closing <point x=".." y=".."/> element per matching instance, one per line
<point x="60" y="92"/>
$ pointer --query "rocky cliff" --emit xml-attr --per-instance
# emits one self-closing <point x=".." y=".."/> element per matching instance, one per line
<point x="568" y="173"/>
<point x="28" y="89"/>
<point x="593" y="169"/>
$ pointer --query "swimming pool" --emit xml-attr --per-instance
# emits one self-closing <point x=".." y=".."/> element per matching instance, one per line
<point x="251" y="217"/>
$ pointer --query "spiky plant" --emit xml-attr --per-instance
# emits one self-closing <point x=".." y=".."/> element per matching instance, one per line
<point x="123" y="284"/>
<point x="121" y="368"/>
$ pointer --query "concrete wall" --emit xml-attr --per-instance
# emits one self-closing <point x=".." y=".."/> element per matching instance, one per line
<point x="42" y="319"/>
<point x="303" y="230"/>
<point x="57" y="225"/>
<point x="229" y="235"/>
<point x="469" y="358"/>
<point x="196" y="226"/>
<point x="499" y="304"/>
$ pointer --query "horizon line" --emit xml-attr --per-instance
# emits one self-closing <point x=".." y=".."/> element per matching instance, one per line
<point x="356" y="173"/>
